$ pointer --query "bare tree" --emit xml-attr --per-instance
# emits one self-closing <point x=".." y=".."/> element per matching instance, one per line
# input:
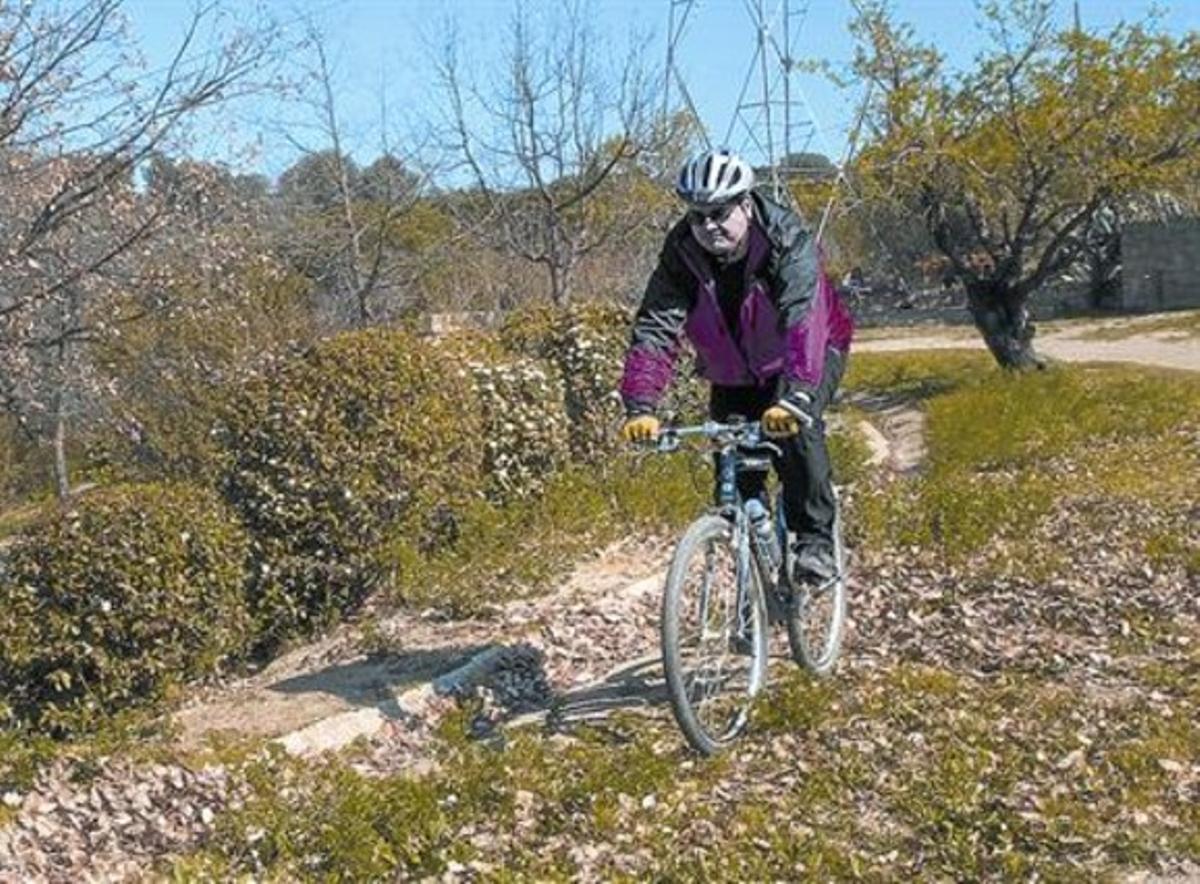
<point x="546" y="145"/>
<point x="340" y="230"/>
<point x="76" y="123"/>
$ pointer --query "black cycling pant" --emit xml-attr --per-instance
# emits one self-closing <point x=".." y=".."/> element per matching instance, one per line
<point x="804" y="469"/>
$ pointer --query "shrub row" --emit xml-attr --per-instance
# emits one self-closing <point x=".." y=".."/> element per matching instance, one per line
<point x="367" y="443"/>
<point x="111" y="603"/>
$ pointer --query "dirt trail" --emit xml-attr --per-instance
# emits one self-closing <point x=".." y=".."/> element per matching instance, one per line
<point x="325" y="695"/>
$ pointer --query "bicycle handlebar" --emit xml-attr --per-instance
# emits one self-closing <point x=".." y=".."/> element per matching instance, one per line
<point x="742" y="435"/>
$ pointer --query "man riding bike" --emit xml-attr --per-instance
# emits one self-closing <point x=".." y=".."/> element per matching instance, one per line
<point x="741" y="276"/>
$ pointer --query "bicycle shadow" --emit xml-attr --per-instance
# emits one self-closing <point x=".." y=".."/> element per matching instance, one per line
<point x="633" y="687"/>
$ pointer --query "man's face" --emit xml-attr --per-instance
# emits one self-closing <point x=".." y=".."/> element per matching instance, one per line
<point x="720" y="228"/>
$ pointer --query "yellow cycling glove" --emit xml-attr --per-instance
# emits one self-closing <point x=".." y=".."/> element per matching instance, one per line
<point x="786" y="416"/>
<point x="778" y="421"/>
<point x="643" y="428"/>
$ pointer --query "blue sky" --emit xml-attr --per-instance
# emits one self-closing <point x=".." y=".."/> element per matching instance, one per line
<point x="380" y="47"/>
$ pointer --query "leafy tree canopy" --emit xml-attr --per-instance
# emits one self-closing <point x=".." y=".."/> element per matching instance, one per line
<point x="1009" y="162"/>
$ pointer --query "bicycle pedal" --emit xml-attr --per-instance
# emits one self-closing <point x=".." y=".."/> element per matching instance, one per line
<point x="741" y="645"/>
<point x="779" y="602"/>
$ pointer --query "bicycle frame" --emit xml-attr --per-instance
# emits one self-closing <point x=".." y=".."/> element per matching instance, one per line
<point x="742" y="448"/>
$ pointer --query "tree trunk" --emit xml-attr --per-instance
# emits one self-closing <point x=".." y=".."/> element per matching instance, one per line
<point x="62" y="479"/>
<point x="1003" y="320"/>
<point x="560" y="291"/>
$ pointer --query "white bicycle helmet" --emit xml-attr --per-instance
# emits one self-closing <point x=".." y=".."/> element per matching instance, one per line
<point x="715" y="176"/>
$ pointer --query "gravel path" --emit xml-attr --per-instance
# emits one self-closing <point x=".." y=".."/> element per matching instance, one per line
<point x="1164" y="349"/>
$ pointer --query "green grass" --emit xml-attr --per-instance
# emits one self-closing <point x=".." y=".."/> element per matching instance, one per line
<point x="17" y="518"/>
<point x="917" y="374"/>
<point x="504" y="552"/>
<point x="1004" y="450"/>
<point x="1011" y="777"/>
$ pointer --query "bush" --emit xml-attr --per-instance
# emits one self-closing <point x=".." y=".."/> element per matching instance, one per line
<point x="586" y="344"/>
<point x="525" y="432"/>
<point x="292" y="595"/>
<point x="107" y="605"/>
<point x="364" y="433"/>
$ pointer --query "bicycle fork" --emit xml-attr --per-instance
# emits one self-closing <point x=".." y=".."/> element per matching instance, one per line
<point x="745" y="598"/>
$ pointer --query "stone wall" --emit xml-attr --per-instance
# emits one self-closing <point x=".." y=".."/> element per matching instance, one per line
<point x="1161" y="265"/>
<point x="948" y="306"/>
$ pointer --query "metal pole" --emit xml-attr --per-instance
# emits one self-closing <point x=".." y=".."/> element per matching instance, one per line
<point x="766" y="96"/>
<point x="787" y="81"/>
<point x="668" y="73"/>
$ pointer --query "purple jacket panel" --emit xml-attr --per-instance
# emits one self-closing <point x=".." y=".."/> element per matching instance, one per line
<point x="716" y="353"/>
<point x="828" y="324"/>
<point x="648" y="373"/>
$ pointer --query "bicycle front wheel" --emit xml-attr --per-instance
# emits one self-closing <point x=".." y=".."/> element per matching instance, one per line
<point x="817" y="614"/>
<point x="714" y="637"/>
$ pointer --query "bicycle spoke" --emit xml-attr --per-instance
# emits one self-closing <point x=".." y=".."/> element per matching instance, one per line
<point x="715" y="658"/>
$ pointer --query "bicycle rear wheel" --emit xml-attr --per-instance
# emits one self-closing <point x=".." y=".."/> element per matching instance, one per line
<point x="817" y="613"/>
<point x="714" y="637"/>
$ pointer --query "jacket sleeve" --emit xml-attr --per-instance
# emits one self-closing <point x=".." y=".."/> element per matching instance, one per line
<point x="655" y="341"/>
<point x="803" y="303"/>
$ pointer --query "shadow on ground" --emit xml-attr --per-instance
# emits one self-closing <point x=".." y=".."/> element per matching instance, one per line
<point x="635" y="686"/>
<point x="291" y="702"/>
<point x="877" y="401"/>
<point x="380" y="679"/>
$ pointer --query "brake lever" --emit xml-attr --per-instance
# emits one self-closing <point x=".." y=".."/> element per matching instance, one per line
<point x="667" y="442"/>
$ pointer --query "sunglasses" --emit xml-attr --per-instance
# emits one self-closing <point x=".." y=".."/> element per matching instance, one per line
<point x="717" y="214"/>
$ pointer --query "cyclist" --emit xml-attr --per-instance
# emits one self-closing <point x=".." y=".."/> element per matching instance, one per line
<point x="741" y="276"/>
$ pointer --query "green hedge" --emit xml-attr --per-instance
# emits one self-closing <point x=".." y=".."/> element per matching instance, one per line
<point x="105" y="606"/>
<point x="585" y="346"/>
<point x="463" y="468"/>
<point x="364" y="432"/>
<point x="525" y="436"/>
<point x="358" y="432"/>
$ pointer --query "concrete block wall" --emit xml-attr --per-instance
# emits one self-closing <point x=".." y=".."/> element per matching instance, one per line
<point x="1160" y="265"/>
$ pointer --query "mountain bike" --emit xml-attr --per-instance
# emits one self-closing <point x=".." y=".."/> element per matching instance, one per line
<point x="727" y="578"/>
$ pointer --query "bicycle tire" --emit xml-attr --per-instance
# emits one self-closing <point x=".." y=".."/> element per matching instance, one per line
<point x="711" y="532"/>
<point x="820" y="657"/>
